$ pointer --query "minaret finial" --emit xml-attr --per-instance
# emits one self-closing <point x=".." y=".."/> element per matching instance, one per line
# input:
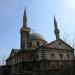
<point x="56" y="31"/>
<point x="25" y="18"/>
<point x="55" y="23"/>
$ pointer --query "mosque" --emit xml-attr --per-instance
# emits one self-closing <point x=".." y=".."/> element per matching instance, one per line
<point x="38" y="57"/>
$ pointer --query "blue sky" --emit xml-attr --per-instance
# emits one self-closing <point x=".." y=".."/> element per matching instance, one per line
<point x="40" y="18"/>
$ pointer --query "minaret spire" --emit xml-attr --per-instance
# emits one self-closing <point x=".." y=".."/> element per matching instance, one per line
<point x="25" y="18"/>
<point x="56" y="31"/>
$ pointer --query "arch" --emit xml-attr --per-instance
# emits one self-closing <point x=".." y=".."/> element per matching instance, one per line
<point x="53" y="66"/>
<point x="38" y="44"/>
<point x="30" y="44"/>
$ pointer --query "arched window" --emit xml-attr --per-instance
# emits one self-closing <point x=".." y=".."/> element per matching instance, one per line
<point x="30" y="44"/>
<point x="60" y="56"/>
<point x="68" y="56"/>
<point x="53" y="67"/>
<point x="36" y="56"/>
<point x="52" y="54"/>
<point x="38" y="44"/>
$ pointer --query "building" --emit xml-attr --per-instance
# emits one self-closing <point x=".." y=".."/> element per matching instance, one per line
<point x="37" y="57"/>
<point x="3" y="70"/>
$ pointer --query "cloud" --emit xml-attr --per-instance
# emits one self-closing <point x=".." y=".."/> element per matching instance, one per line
<point x="70" y="3"/>
<point x="70" y="0"/>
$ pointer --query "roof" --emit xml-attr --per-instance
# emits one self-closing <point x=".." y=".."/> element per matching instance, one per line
<point x="56" y="44"/>
<point x="13" y="52"/>
<point x="59" y="44"/>
<point x="35" y="36"/>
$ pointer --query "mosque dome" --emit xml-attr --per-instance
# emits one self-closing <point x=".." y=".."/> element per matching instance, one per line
<point x="36" y="36"/>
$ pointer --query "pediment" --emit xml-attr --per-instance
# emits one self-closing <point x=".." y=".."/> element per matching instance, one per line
<point x="13" y="52"/>
<point x="59" y="44"/>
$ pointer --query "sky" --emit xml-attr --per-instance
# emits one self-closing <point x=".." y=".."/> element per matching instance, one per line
<point x="40" y="15"/>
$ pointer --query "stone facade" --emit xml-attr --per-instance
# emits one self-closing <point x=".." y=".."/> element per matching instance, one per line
<point x="37" y="57"/>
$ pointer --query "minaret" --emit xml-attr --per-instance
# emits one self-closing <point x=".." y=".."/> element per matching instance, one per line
<point x="56" y="31"/>
<point x="24" y="33"/>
